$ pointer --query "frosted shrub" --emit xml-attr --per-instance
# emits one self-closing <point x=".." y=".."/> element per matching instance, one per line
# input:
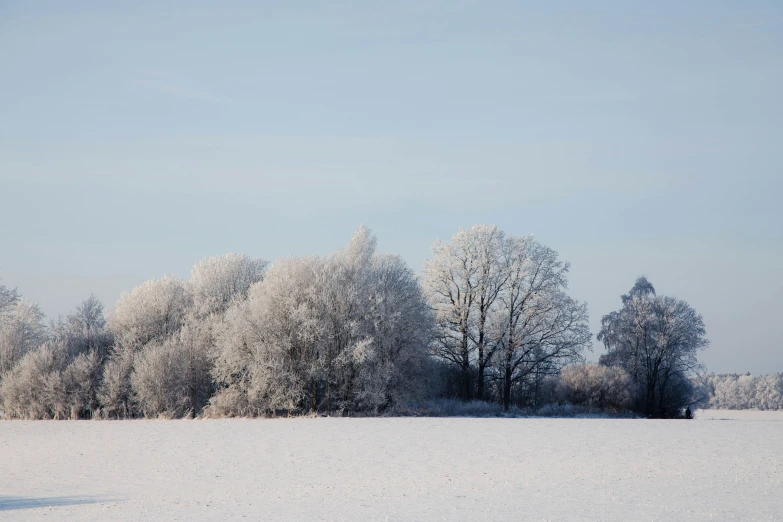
<point x="24" y="391"/>
<point x="595" y="386"/>
<point x="115" y="391"/>
<point x="458" y="408"/>
<point x="80" y="381"/>
<point x="230" y="402"/>
<point x="47" y="384"/>
<point x="158" y="380"/>
<point x="172" y="378"/>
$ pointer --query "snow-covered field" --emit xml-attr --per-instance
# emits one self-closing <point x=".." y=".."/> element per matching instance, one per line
<point x="400" y="468"/>
<point x="746" y="415"/>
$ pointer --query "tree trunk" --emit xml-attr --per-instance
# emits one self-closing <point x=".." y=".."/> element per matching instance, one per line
<point x="537" y="377"/>
<point x="507" y="385"/>
<point x="480" y="379"/>
<point x="329" y="382"/>
<point x="508" y="369"/>
<point x="466" y="365"/>
<point x="466" y="380"/>
<point x="649" y="406"/>
<point x="481" y="362"/>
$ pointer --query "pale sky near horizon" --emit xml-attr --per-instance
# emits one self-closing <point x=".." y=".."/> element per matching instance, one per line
<point x="632" y="137"/>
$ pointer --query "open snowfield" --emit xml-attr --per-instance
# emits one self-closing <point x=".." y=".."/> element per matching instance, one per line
<point x="399" y="469"/>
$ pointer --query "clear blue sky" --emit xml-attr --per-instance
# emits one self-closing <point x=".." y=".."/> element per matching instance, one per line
<point x="632" y="137"/>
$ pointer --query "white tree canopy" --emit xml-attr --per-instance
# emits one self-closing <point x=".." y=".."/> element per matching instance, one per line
<point x="151" y="312"/>
<point x="344" y="332"/>
<point x="217" y="281"/>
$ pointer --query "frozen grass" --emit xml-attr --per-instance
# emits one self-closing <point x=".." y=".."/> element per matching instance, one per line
<point x="392" y="468"/>
<point x="458" y="408"/>
<point x="481" y="409"/>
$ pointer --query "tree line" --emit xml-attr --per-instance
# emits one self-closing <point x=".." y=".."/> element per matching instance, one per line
<point x="354" y="332"/>
<point x="741" y="392"/>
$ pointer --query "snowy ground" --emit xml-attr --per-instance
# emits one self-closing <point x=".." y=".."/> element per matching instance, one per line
<point x="402" y="469"/>
<point x="746" y="415"/>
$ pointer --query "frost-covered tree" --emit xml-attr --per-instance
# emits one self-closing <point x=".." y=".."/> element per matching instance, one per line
<point x="165" y="330"/>
<point x="115" y="394"/>
<point x="268" y="348"/>
<point x="25" y="390"/>
<point x="21" y="330"/>
<point x="493" y="274"/>
<point x="150" y="313"/>
<point x="50" y="384"/>
<point x="80" y="378"/>
<point x="463" y="281"/>
<point x="342" y="333"/>
<point x="656" y="339"/>
<point x="172" y="378"/>
<point x="736" y="392"/>
<point x="769" y="392"/>
<point x="376" y="326"/>
<point x="216" y="282"/>
<point x="60" y="379"/>
<point x="501" y="308"/>
<point x="544" y="329"/>
<point x="171" y="373"/>
<point x="401" y="325"/>
<point x="85" y="330"/>
<point x="8" y="297"/>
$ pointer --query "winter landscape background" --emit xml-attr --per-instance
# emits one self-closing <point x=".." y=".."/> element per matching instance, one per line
<point x="564" y="304"/>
